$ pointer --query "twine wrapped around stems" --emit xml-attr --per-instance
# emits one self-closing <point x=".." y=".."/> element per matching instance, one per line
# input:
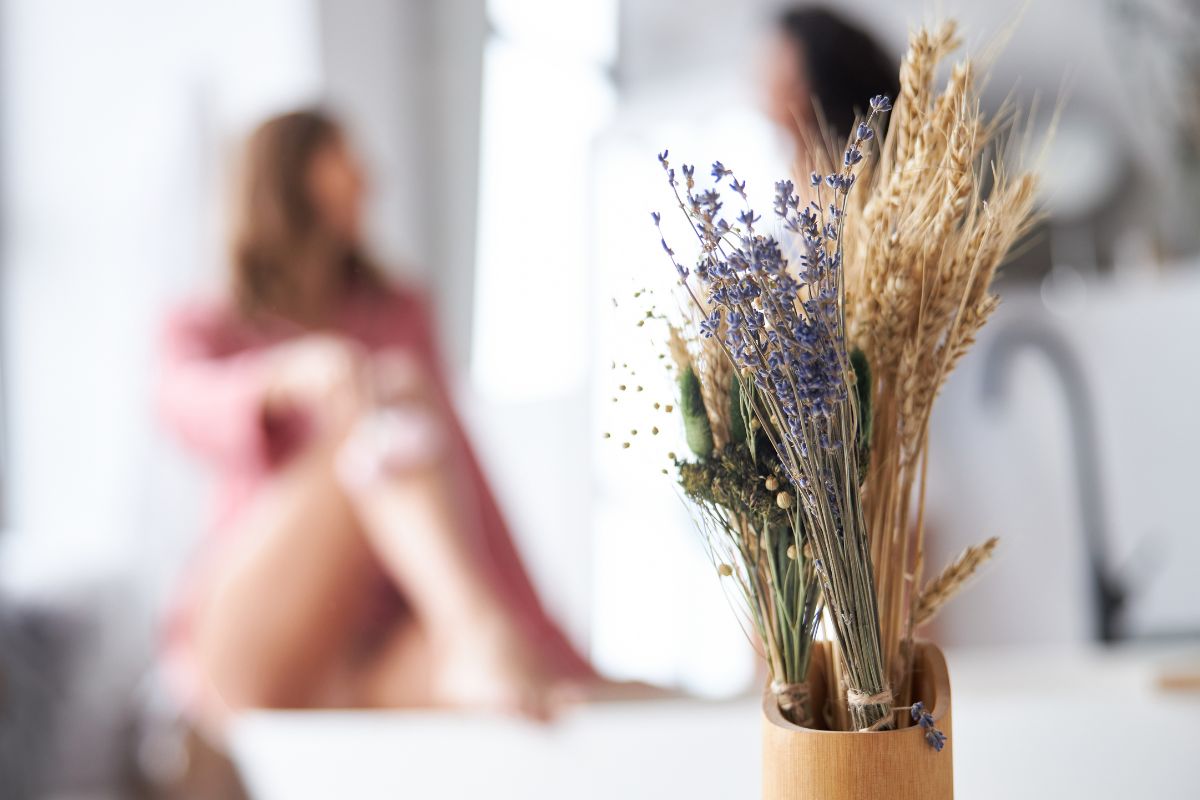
<point x="881" y="698"/>
<point x="795" y="703"/>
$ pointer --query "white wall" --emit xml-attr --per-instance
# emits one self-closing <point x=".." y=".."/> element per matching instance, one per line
<point x="117" y="120"/>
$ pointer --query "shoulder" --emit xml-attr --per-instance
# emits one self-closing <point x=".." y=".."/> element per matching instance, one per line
<point x="208" y="321"/>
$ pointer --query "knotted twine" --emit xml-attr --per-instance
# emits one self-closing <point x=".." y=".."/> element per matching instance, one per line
<point x="793" y="700"/>
<point x="857" y="699"/>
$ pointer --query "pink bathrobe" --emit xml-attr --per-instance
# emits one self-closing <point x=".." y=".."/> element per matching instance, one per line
<point x="211" y="395"/>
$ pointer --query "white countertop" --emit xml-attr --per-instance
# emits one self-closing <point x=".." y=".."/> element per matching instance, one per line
<point x="1026" y="724"/>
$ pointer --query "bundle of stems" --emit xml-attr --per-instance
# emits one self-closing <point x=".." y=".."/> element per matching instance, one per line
<point x="923" y="246"/>
<point x="786" y="335"/>
<point x="753" y="531"/>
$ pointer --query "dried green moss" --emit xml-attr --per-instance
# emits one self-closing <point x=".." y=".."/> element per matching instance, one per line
<point x="696" y="427"/>
<point x="730" y="479"/>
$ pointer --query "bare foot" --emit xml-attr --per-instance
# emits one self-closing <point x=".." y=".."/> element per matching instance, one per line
<point x="491" y="667"/>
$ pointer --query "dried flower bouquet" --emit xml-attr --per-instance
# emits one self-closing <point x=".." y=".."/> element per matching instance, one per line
<point x="806" y="383"/>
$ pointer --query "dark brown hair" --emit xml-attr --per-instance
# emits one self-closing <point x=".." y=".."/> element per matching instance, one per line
<point x="845" y="65"/>
<point x="277" y="229"/>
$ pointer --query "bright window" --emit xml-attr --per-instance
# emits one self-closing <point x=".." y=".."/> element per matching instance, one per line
<point x="547" y="92"/>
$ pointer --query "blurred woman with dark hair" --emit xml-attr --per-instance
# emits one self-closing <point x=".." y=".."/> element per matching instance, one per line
<point x="821" y="70"/>
<point x="359" y="557"/>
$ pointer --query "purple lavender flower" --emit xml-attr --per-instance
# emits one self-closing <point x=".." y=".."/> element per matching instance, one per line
<point x="785" y="199"/>
<point x="784" y="326"/>
<point x="881" y="104"/>
<point x="935" y="738"/>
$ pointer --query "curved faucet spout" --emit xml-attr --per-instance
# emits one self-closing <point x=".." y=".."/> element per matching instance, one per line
<point x="1036" y="335"/>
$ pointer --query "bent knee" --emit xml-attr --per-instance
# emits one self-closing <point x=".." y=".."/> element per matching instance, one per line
<point x="395" y="441"/>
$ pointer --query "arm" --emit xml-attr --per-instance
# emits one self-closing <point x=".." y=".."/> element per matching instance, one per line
<point x="213" y="395"/>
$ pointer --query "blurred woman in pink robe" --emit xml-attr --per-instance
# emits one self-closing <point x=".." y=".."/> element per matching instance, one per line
<point x="358" y="557"/>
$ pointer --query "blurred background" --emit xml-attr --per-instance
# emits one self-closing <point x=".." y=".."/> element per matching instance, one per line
<point x="511" y="150"/>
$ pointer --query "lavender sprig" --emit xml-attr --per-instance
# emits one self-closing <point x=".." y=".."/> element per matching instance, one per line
<point x="784" y="330"/>
<point x="935" y="738"/>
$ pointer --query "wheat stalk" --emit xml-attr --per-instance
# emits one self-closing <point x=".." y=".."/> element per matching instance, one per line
<point x="715" y="373"/>
<point x="952" y="580"/>
<point x="922" y="249"/>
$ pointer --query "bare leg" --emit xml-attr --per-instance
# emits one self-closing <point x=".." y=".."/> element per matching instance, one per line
<point x="281" y="619"/>
<point x="278" y="616"/>
<point x="418" y="521"/>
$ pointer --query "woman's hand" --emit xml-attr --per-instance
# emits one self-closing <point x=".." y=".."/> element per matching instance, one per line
<point x="322" y="374"/>
<point x="398" y="378"/>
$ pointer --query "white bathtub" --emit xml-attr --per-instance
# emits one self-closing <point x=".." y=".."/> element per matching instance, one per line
<point x="1027" y="724"/>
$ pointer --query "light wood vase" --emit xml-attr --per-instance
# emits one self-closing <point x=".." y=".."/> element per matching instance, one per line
<point x="806" y="764"/>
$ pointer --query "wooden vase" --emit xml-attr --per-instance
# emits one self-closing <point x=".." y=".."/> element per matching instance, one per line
<point x="807" y="764"/>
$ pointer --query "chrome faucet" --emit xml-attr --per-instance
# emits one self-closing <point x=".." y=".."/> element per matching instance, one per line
<point x="1108" y="595"/>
